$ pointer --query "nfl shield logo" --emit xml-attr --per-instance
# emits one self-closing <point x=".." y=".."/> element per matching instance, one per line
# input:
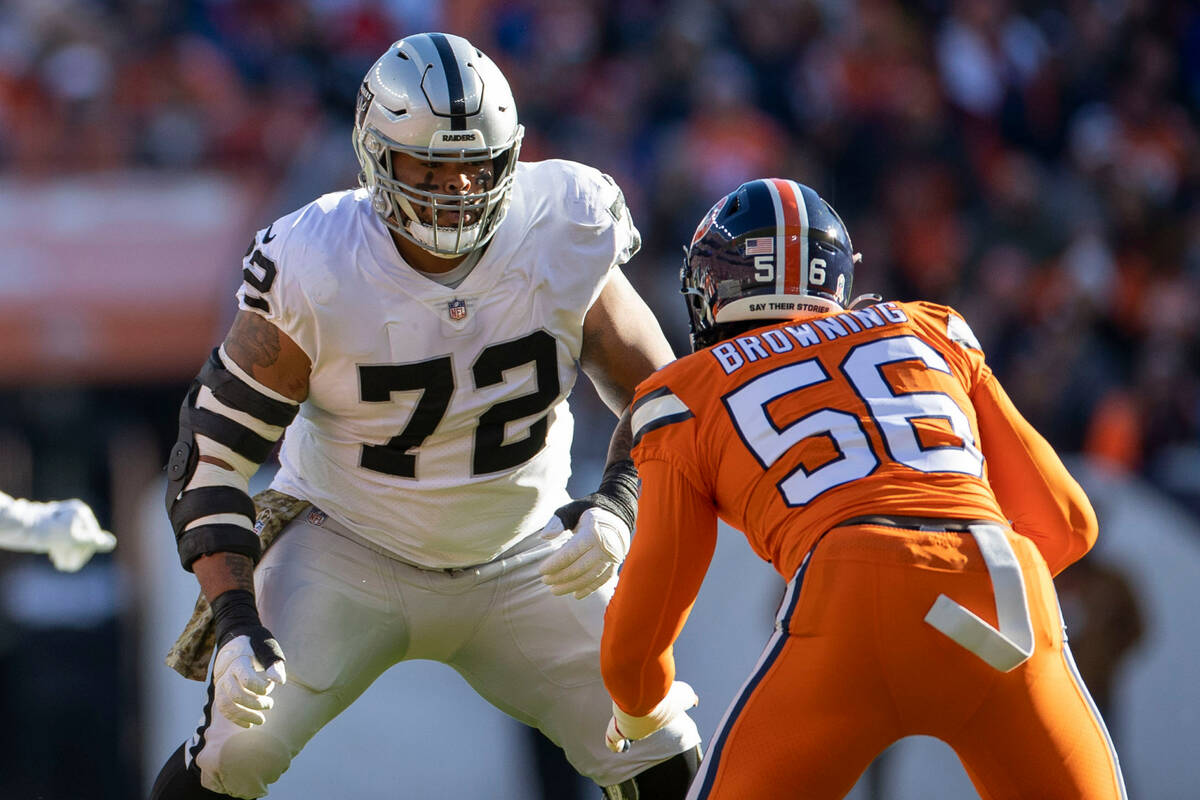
<point x="316" y="517"/>
<point x="458" y="310"/>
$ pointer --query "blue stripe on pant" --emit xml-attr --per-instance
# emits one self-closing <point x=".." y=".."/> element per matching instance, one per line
<point x="703" y="782"/>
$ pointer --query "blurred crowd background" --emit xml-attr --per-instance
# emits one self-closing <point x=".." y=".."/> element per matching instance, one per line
<point x="1034" y="164"/>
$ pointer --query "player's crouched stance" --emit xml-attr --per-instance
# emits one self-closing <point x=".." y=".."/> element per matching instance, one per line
<point x="417" y="338"/>
<point x="848" y="442"/>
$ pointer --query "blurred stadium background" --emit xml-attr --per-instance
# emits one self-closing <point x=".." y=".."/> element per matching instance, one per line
<point x="1035" y="165"/>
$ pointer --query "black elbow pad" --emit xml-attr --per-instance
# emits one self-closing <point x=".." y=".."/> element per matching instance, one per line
<point x="188" y="503"/>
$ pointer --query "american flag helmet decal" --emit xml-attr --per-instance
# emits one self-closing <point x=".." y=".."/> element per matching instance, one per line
<point x="762" y="246"/>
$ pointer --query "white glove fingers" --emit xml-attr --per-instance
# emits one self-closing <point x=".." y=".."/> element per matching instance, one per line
<point x="584" y="576"/>
<point x="103" y="541"/>
<point x="234" y="692"/>
<point x="239" y="705"/>
<point x="68" y="532"/>
<point x="607" y="574"/>
<point x="565" y="556"/>
<point x="251" y="679"/>
<point x="241" y="686"/>
<point x="68" y="559"/>
<point x="586" y="563"/>
<point x="590" y="558"/>
<point x="240" y="715"/>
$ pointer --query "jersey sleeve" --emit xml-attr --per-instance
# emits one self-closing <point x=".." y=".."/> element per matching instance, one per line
<point x="271" y="284"/>
<point x="958" y="341"/>
<point x="672" y="549"/>
<point x="1035" y="491"/>
<point x="601" y="233"/>
<point x="664" y="429"/>
<point x="627" y="241"/>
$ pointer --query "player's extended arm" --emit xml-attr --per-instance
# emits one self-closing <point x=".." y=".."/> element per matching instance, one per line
<point x="67" y="530"/>
<point x="675" y="541"/>
<point x="1035" y="490"/>
<point x="622" y="346"/>
<point x="235" y="411"/>
<point x="622" y="343"/>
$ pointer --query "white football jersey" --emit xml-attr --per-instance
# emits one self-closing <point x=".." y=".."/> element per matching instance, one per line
<point x="437" y="423"/>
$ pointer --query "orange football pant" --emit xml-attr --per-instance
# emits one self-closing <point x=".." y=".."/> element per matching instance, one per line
<point x="853" y="667"/>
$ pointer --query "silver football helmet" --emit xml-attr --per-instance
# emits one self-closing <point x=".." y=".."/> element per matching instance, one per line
<point x="436" y="98"/>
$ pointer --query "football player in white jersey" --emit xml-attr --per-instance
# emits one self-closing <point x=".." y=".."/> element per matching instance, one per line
<point x="418" y="338"/>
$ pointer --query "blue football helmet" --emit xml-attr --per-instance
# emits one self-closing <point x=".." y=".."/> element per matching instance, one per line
<point x="769" y="250"/>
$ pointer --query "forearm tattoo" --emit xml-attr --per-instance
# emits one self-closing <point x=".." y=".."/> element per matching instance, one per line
<point x="240" y="569"/>
<point x="621" y="443"/>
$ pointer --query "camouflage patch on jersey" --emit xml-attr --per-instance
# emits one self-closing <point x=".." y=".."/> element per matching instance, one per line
<point x="192" y="651"/>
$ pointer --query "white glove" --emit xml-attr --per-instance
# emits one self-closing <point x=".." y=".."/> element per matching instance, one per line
<point x="623" y="728"/>
<point x="74" y="535"/>
<point x="65" y="529"/>
<point x="241" y="685"/>
<point x="590" y="558"/>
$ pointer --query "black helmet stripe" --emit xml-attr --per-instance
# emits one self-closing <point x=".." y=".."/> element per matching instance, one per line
<point x="454" y="82"/>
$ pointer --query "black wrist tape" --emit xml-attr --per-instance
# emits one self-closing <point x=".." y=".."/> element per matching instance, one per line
<point x="618" y="492"/>
<point x="234" y="613"/>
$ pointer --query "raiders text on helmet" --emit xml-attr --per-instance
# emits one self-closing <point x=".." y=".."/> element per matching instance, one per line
<point x="436" y="98"/>
<point x="769" y="250"/>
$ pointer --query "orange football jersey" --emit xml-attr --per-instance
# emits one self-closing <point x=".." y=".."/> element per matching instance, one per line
<point x="790" y="429"/>
<point x="796" y="427"/>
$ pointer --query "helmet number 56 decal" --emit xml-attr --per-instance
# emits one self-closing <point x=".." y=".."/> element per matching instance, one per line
<point x="764" y="268"/>
<point x="816" y="271"/>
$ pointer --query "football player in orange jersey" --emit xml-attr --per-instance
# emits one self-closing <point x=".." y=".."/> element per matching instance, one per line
<point x="869" y="454"/>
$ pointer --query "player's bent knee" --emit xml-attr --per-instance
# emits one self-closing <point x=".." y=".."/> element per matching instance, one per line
<point x="245" y="765"/>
